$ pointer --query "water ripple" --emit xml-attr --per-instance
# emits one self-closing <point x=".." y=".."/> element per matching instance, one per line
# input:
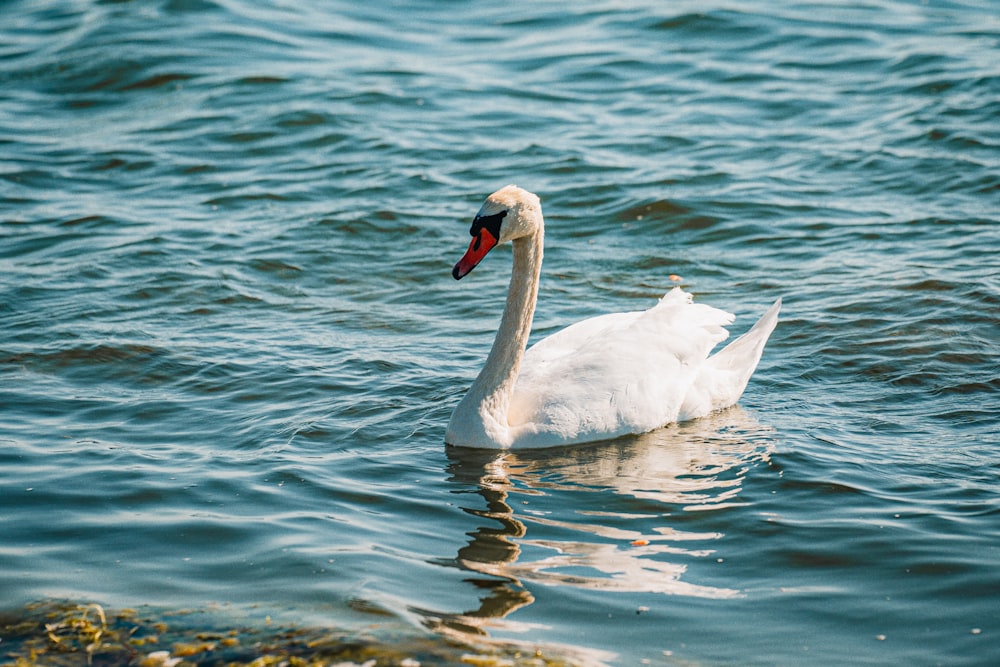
<point x="229" y="339"/>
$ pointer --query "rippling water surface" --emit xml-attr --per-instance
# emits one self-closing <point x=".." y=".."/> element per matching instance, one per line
<point x="230" y="341"/>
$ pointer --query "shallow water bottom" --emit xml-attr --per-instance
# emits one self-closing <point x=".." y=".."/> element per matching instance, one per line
<point x="69" y="634"/>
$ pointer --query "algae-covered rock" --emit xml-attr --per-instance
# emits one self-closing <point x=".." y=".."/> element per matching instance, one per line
<point x="65" y="634"/>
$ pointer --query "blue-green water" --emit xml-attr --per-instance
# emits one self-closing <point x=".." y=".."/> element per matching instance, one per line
<point x="230" y="341"/>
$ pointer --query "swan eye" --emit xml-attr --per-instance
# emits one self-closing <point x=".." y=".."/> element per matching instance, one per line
<point x="490" y="223"/>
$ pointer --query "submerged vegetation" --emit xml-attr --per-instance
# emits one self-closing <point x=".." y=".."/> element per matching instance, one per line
<point x="62" y="634"/>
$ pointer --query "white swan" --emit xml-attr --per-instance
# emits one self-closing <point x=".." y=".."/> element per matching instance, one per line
<point x="601" y="378"/>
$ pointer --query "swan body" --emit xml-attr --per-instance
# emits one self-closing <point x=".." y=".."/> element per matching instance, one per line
<point x="600" y="378"/>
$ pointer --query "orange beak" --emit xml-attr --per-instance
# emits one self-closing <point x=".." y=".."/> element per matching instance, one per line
<point x="481" y="244"/>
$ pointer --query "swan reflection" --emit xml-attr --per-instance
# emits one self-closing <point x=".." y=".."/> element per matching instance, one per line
<point x="629" y="530"/>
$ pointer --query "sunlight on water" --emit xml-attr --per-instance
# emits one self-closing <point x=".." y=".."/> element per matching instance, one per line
<point x="695" y="466"/>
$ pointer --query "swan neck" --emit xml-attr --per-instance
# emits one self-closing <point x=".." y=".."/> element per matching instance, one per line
<point x="497" y="379"/>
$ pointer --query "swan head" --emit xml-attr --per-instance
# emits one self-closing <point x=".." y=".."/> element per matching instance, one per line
<point x="507" y="214"/>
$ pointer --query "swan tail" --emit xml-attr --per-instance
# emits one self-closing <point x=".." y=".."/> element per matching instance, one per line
<point x="744" y="352"/>
<point x="725" y="375"/>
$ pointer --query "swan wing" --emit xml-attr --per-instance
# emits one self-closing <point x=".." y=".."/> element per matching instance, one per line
<point x="723" y="377"/>
<point x="615" y="374"/>
<point x="570" y="340"/>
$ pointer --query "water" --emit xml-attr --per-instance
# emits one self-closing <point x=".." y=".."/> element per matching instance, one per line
<point x="230" y="341"/>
